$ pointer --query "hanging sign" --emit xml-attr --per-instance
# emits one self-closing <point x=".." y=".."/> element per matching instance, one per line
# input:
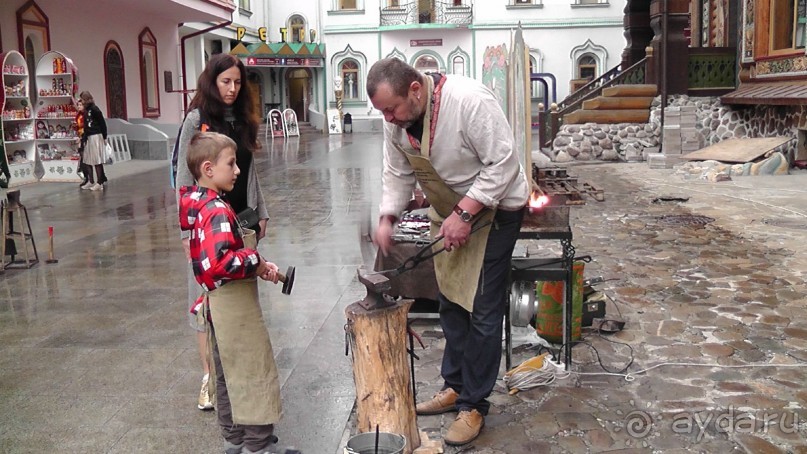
<point x="425" y="42"/>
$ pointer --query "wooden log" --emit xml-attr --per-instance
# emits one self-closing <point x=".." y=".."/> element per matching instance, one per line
<point x="381" y="371"/>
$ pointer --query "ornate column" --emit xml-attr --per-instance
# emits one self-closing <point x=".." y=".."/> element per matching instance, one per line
<point x="669" y="18"/>
<point x="337" y="90"/>
<point x="636" y="20"/>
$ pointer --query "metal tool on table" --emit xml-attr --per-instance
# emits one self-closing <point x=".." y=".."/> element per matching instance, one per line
<point x="377" y="282"/>
<point x="425" y="253"/>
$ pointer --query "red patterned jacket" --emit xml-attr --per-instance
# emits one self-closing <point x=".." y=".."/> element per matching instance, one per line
<point x="218" y="254"/>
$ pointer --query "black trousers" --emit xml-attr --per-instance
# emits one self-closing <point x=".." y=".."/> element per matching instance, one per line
<point x="473" y="350"/>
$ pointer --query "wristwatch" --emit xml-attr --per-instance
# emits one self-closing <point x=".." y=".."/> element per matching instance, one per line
<point x="465" y="216"/>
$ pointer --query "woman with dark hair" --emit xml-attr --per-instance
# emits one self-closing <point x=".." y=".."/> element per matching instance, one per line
<point x="224" y="104"/>
<point x="94" y="141"/>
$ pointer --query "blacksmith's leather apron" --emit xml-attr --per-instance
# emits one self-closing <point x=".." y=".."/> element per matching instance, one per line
<point x="457" y="272"/>
<point x="244" y="349"/>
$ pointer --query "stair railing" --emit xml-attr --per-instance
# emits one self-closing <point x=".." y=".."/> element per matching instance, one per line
<point x="634" y="74"/>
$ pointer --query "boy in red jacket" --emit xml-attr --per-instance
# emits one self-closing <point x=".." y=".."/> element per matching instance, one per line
<point x="248" y="401"/>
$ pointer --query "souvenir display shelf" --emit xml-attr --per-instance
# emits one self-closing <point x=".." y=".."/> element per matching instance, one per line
<point x="55" y="125"/>
<point x="17" y="119"/>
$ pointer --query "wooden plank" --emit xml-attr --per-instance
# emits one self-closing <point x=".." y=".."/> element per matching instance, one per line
<point x="624" y="102"/>
<point x="607" y="116"/>
<point x="630" y="90"/>
<point x="737" y="150"/>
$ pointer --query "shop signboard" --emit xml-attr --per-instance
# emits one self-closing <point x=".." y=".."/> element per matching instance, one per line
<point x="283" y="61"/>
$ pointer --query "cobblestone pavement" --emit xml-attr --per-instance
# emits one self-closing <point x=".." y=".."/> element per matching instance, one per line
<point x="95" y="354"/>
<point x="712" y="289"/>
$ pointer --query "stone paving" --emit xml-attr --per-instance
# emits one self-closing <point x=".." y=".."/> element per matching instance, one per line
<point x="726" y="294"/>
<point x="95" y="355"/>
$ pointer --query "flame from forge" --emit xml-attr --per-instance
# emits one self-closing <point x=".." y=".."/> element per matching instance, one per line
<point x="537" y="200"/>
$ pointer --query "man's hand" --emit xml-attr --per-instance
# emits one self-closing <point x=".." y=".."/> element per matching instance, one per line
<point x="262" y="233"/>
<point x="455" y="232"/>
<point x="383" y="234"/>
<point x="186" y="245"/>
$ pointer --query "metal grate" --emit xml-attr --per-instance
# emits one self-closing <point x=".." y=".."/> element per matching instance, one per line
<point x="685" y="219"/>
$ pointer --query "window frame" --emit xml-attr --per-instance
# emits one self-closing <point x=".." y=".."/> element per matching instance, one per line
<point x="423" y="56"/>
<point x="579" y="65"/>
<point x="293" y="37"/>
<point x="356" y="82"/>
<point x="794" y="35"/>
<point x="147" y="41"/>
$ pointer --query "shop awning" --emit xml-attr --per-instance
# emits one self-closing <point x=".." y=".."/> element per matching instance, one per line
<point x="789" y="93"/>
<point x="281" y="54"/>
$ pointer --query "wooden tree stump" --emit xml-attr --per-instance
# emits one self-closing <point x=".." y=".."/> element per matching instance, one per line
<point x="381" y="371"/>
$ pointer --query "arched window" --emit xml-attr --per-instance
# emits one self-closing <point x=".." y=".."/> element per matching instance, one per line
<point x="587" y="67"/>
<point x="296" y="29"/>
<point x="350" y="78"/>
<point x="427" y="63"/>
<point x="458" y="65"/>
<point x="115" y="81"/>
<point x="149" y="82"/>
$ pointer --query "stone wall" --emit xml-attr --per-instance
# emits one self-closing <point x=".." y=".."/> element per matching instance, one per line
<point x="715" y="122"/>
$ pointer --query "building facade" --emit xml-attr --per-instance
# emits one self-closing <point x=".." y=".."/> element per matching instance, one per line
<point x="125" y="51"/>
<point x="573" y="40"/>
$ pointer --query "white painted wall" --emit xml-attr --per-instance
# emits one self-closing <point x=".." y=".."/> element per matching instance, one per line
<point x="82" y="29"/>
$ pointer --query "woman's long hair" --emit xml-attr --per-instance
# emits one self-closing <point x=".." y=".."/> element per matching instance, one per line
<point x="209" y="102"/>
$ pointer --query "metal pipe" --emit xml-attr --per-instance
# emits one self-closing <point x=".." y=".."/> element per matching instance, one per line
<point x="182" y="56"/>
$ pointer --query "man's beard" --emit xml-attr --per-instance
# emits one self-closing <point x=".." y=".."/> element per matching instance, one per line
<point x="416" y="115"/>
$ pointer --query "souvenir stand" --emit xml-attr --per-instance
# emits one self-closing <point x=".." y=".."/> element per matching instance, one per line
<point x="55" y="126"/>
<point x="17" y="120"/>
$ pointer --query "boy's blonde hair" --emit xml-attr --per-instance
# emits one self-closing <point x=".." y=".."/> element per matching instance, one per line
<point x="206" y="146"/>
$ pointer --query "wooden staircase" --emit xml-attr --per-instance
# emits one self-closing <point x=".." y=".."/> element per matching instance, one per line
<point x="628" y="103"/>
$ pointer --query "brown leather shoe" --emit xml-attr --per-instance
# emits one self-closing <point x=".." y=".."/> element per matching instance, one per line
<point x="465" y="428"/>
<point x="442" y="402"/>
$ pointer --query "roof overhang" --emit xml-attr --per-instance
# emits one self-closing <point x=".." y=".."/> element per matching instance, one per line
<point x="783" y="93"/>
<point x="181" y="10"/>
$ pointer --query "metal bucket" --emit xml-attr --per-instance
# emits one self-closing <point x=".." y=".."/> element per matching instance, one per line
<point x="365" y="443"/>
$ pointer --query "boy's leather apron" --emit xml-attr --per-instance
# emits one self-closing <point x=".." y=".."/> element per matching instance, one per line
<point x="245" y="349"/>
<point x="457" y="272"/>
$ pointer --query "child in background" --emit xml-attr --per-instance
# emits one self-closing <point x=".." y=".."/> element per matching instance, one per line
<point x="248" y="402"/>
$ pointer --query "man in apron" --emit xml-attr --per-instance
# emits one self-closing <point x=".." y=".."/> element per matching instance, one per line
<point x="449" y="134"/>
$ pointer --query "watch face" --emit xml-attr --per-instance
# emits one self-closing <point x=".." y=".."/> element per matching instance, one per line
<point x="466" y="216"/>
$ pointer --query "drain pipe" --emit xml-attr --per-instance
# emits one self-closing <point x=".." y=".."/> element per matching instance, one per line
<point x="182" y="57"/>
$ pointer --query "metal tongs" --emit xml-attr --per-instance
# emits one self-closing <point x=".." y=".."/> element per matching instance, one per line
<point x="425" y="253"/>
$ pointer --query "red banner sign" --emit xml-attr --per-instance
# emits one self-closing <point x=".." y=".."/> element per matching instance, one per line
<point x="283" y="61"/>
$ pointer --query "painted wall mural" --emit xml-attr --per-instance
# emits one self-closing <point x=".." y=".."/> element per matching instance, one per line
<point x="494" y="72"/>
<point x="748" y="31"/>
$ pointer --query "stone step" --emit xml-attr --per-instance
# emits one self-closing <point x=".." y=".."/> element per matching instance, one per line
<point x="631" y="90"/>
<point x="607" y="116"/>
<point x="621" y="102"/>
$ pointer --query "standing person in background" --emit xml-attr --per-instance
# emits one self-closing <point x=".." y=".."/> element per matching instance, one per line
<point x="94" y="140"/>
<point x="83" y="168"/>
<point x="221" y="105"/>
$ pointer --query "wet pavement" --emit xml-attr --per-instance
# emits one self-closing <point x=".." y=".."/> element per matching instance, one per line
<point x="96" y="355"/>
